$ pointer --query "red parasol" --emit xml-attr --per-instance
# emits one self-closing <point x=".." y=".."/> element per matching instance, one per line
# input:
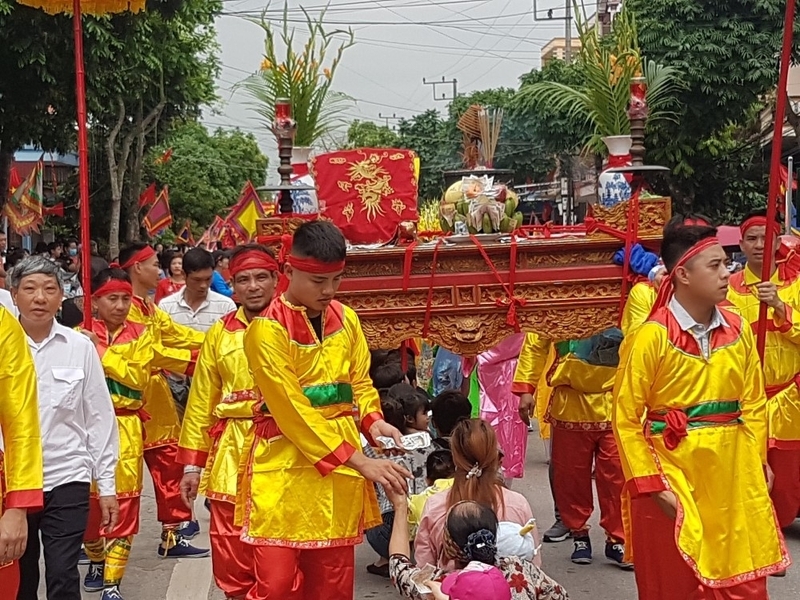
<point x="775" y="180"/>
<point x="77" y="8"/>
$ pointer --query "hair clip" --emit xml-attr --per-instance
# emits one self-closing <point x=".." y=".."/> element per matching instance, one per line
<point x="475" y="471"/>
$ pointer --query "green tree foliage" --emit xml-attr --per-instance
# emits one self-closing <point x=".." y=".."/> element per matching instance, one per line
<point x="366" y="134"/>
<point x="206" y="171"/>
<point x="726" y="52"/>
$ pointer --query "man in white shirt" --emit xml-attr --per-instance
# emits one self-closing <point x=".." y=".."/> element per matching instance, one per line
<point x="80" y="442"/>
<point x="196" y="305"/>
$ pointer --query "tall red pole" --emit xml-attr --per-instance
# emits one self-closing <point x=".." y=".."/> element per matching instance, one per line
<point x="83" y="165"/>
<point x="775" y="167"/>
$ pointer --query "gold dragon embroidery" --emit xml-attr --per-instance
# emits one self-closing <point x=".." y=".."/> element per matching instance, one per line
<point x="373" y="184"/>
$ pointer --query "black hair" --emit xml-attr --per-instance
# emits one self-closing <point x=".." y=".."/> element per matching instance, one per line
<point x="761" y="212"/>
<point x="128" y="251"/>
<point x="14" y="257"/>
<point x="197" y="259"/>
<point x="386" y="375"/>
<point x="448" y="408"/>
<point x="105" y="275"/>
<point x="678" y="241"/>
<point x="53" y="245"/>
<point x="72" y="240"/>
<point x="320" y="240"/>
<point x="218" y="256"/>
<point x="439" y="465"/>
<point x="473" y="528"/>
<point x="410" y="399"/>
<point x="392" y="412"/>
<point x="379" y="358"/>
<point x="688" y="219"/>
<point x="41" y="248"/>
<point x="166" y="258"/>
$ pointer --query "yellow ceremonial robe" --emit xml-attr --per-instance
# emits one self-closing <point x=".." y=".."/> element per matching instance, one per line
<point x="298" y="492"/>
<point x="725" y="529"/>
<point x="582" y="394"/>
<point x="127" y="357"/>
<point x="640" y="302"/>
<point x="218" y="428"/>
<point x="781" y="353"/>
<point x="22" y="470"/>
<point x="530" y="377"/>
<point x="180" y="346"/>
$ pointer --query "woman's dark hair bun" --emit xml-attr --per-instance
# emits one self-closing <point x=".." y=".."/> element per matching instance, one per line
<point x="481" y="546"/>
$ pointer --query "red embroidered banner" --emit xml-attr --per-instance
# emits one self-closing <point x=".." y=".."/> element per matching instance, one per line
<point x="367" y="192"/>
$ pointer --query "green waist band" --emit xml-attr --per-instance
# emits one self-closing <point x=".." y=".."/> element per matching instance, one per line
<point x="700" y="415"/>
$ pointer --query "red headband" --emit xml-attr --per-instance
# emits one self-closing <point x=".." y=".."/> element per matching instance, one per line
<point x="759" y="222"/>
<point x="141" y="256"/>
<point x="693" y="221"/>
<point x="312" y="265"/>
<point x="114" y="286"/>
<point x="252" y="259"/>
<point x="667" y="288"/>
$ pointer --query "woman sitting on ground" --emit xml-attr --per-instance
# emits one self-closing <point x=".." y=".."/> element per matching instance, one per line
<point x="476" y="456"/>
<point x="470" y="542"/>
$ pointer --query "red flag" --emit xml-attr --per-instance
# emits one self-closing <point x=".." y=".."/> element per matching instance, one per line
<point x="185" y="234"/>
<point x="55" y="211"/>
<point x="159" y="215"/>
<point x="245" y="213"/>
<point x="148" y="196"/>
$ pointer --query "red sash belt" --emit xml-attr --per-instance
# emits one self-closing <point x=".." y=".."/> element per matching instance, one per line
<point x="677" y="422"/>
<point x="774" y="390"/>
<point x="267" y="428"/>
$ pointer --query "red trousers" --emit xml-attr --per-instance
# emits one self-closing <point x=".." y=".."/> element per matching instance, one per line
<point x="9" y="581"/>
<point x="231" y="558"/>
<point x="661" y="572"/>
<point x="573" y="454"/>
<point x="785" y="494"/>
<point x="291" y="574"/>
<point x="167" y="473"/>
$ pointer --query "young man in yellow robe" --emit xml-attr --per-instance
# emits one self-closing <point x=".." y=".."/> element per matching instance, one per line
<point x="21" y="467"/>
<point x="163" y="428"/>
<point x="691" y="425"/>
<point x="218" y="428"/>
<point x="307" y="496"/>
<point x="781" y="361"/>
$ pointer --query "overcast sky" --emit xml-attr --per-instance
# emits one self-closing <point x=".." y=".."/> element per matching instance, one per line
<point x="481" y="43"/>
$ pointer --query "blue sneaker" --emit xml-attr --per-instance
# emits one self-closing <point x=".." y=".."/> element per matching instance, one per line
<point x="181" y="549"/>
<point x="93" y="582"/>
<point x="83" y="558"/>
<point x="111" y="593"/>
<point x="615" y="552"/>
<point x="582" y="554"/>
<point x="190" y="530"/>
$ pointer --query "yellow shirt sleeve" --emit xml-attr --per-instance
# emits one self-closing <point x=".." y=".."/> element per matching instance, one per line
<point x="533" y="357"/>
<point x="204" y="395"/>
<point x="640" y="302"/>
<point x="175" y="335"/>
<point x="19" y="418"/>
<point x="754" y="398"/>
<point x="635" y="377"/>
<point x="267" y="346"/>
<point x="129" y="363"/>
<point x="364" y="393"/>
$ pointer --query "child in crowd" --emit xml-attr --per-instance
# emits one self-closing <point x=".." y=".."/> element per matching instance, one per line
<point x="447" y="409"/>
<point x="416" y="406"/>
<point x="439" y="473"/>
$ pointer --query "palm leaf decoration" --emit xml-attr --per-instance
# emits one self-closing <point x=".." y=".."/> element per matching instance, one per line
<point x="601" y="103"/>
<point x="303" y="76"/>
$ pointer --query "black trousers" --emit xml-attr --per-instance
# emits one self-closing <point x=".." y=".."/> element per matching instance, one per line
<point x="61" y="524"/>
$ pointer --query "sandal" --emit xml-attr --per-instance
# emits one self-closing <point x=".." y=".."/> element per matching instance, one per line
<point x="379" y="571"/>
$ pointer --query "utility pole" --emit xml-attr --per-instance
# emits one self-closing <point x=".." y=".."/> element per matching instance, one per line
<point x="387" y="118"/>
<point x="443" y="97"/>
<point x="567" y="22"/>
<point x="568" y="33"/>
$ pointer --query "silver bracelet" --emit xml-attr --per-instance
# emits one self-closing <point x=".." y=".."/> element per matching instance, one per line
<point x="192" y="469"/>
